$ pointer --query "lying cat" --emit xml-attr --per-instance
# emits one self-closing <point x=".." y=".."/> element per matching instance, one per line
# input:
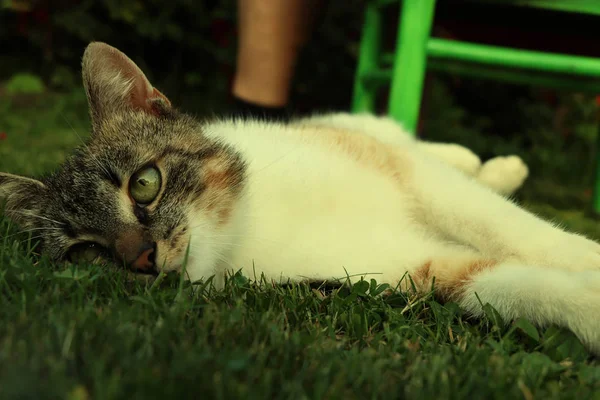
<point x="319" y="198"/>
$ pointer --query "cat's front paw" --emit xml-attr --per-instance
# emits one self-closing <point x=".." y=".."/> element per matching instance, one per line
<point x="504" y="174"/>
<point x="582" y="312"/>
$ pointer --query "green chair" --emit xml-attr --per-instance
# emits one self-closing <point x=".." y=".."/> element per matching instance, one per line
<point x="416" y="50"/>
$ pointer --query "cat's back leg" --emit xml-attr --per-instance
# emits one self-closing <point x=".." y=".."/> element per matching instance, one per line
<point x="447" y="202"/>
<point x="473" y="214"/>
<point x="542" y="295"/>
<point x="389" y="131"/>
<point x="501" y="174"/>
<point x="454" y="155"/>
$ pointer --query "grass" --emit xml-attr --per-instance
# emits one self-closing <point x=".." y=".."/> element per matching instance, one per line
<point x="85" y="332"/>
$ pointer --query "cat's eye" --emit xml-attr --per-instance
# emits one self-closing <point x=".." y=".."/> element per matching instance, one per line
<point x="85" y="253"/>
<point x="145" y="185"/>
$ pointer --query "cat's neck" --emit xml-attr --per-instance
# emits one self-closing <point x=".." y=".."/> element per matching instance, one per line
<point x="215" y="245"/>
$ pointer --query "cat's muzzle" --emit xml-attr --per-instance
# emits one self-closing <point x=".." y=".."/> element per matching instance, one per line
<point x="137" y="250"/>
<point x="146" y="259"/>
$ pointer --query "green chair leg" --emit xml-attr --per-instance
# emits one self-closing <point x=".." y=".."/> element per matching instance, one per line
<point x="410" y="61"/>
<point x="370" y="46"/>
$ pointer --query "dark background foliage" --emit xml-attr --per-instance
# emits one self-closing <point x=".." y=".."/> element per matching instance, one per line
<point x="187" y="48"/>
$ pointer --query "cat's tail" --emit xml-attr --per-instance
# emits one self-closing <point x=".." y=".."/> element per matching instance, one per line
<point x="544" y="296"/>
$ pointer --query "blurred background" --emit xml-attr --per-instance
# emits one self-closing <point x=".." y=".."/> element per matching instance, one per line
<point x="187" y="48"/>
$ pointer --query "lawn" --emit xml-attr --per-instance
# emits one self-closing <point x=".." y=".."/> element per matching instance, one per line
<point x="88" y="332"/>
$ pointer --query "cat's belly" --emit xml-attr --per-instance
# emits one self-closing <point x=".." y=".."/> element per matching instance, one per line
<point x="325" y="223"/>
<point x="321" y="205"/>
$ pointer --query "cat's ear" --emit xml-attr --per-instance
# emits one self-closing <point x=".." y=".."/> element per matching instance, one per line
<point x="23" y="198"/>
<point x="113" y="82"/>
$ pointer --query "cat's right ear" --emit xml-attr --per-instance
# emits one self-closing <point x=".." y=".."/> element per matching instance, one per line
<point x="114" y="82"/>
<point x="23" y="198"/>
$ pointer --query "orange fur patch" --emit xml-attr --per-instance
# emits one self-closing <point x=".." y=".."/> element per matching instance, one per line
<point x="456" y="286"/>
<point x="220" y="180"/>
<point x="422" y="276"/>
<point x="451" y="279"/>
<point x="217" y="172"/>
<point x="365" y="150"/>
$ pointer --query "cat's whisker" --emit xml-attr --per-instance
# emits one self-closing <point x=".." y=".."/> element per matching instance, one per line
<point x="205" y="237"/>
<point x="200" y="225"/>
<point x="208" y="242"/>
<point x="256" y="172"/>
<point x="39" y="231"/>
<point x="249" y="237"/>
<point x="31" y="239"/>
<point x="30" y="214"/>
<point x="222" y="243"/>
<point x="40" y="228"/>
<point x="20" y="233"/>
<point x="222" y="258"/>
<point x="267" y="241"/>
<point x="218" y="256"/>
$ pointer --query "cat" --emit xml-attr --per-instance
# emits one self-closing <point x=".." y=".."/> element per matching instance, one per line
<point x="326" y="197"/>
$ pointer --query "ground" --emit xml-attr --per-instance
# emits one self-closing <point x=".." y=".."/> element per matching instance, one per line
<point x="90" y="333"/>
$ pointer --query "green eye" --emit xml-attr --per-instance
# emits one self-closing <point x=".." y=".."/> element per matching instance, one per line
<point x="85" y="253"/>
<point x="145" y="185"/>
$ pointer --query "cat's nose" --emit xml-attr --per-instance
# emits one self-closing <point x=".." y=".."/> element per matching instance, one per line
<point x="146" y="259"/>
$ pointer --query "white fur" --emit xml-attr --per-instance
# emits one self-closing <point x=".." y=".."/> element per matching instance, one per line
<point x="311" y="212"/>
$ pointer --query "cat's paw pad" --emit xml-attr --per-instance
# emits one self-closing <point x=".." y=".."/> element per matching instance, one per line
<point x="504" y="174"/>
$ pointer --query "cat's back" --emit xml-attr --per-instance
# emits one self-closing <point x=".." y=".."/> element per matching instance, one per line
<point x="312" y="150"/>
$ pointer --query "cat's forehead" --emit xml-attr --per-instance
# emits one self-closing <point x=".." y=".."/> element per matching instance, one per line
<point x="128" y="139"/>
<point x="81" y="186"/>
<point x="138" y="128"/>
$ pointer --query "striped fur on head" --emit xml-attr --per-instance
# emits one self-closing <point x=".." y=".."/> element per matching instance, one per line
<point x="133" y="126"/>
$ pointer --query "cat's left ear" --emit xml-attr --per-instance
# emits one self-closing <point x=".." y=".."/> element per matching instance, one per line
<point x="113" y="81"/>
<point x="24" y="198"/>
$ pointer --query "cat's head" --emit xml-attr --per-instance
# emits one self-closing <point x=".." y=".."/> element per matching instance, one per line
<point x="145" y="180"/>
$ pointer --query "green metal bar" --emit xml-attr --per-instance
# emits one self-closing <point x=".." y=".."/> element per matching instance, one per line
<point x="509" y="57"/>
<point x="529" y="78"/>
<point x="574" y="6"/>
<point x="388" y="58"/>
<point x="416" y="17"/>
<point x="380" y="77"/>
<point x="363" y="98"/>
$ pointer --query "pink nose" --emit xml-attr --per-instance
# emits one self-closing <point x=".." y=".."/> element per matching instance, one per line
<point x="145" y="260"/>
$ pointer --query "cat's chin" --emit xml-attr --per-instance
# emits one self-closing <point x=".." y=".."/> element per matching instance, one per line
<point x="141" y="277"/>
<point x="169" y="261"/>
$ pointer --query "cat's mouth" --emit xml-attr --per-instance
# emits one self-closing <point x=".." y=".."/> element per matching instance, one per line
<point x="137" y="253"/>
<point x="141" y="261"/>
<point x="145" y="261"/>
<point x="150" y="272"/>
